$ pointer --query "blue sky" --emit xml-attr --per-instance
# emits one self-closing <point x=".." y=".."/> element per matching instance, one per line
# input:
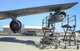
<point x="36" y="20"/>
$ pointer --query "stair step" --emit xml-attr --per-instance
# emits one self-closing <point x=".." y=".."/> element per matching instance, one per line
<point x="47" y="28"/>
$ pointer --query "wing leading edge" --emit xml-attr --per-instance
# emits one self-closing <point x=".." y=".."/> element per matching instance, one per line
<point x="36" y="10"/>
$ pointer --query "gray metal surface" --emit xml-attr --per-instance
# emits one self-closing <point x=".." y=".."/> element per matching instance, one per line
<point x="36" y="10"/>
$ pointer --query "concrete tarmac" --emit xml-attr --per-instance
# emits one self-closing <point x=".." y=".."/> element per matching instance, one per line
<point x="26" y="43"/>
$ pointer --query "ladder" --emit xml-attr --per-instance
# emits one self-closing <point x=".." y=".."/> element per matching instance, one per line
<point x="69" y="28"/>
<point x="48" y="31"/>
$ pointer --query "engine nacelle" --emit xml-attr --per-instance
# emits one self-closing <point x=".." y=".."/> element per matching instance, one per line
<point x="58" y="17"/>
<point x="15" y="26"/>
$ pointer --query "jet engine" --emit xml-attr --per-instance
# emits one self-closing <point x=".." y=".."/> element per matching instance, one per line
<point x="15" y="26"/>
<point x="58" y="17"/>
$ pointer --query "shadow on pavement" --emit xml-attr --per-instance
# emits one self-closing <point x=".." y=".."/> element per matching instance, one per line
<point x="11" y="39"/>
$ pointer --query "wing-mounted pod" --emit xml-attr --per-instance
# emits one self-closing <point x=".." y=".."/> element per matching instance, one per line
<point x="15" y="25"/>
<point x="58" y="16"/>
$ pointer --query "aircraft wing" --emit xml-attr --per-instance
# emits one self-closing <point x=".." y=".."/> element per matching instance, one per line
<point x="36" y="10"/>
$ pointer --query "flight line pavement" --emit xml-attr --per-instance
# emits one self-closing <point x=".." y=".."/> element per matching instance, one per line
<point x="19" y="43"/>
